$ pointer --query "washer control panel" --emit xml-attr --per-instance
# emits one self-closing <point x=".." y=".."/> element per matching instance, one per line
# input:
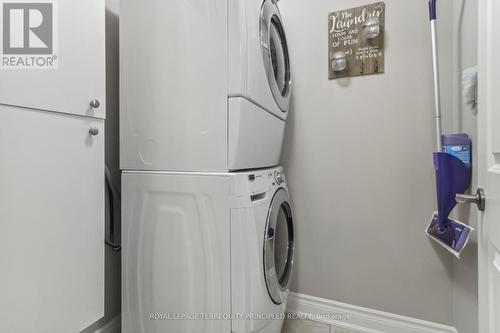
<point x="259" y="182"/>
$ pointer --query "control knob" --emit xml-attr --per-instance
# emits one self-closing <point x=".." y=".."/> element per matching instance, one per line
<point x="280" y="179"/>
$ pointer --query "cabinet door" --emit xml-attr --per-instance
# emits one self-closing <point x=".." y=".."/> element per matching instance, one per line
<point x="51" y="221"/>
<point x="79" y="45"/>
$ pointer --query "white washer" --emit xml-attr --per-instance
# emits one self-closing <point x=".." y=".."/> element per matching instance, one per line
<point x="199" y="245"/>
<point x="205" y="84"/>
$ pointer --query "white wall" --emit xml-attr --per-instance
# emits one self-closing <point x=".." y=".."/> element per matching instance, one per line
<point x="358" y="154"/>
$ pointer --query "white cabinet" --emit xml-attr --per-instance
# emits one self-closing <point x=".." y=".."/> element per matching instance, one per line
<point x="79" y="78"/>
<point x="52" y="178"/>
<point x="51" y="221"/>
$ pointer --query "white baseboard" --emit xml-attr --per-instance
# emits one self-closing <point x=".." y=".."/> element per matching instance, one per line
<point x="113" y="326"/>
<point x="360" y="319"/>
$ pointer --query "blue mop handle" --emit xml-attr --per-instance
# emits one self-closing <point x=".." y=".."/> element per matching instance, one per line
<point x="432" y="10"/>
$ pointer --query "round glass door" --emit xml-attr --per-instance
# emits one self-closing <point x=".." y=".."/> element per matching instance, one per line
<point x="275" y="52"/>
<point x="279" y="247"/>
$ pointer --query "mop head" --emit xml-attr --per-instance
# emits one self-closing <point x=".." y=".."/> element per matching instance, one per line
<point x="454" y="238"/>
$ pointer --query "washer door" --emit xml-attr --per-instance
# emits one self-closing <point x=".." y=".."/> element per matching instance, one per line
<point x="279" y="247"/>
<point x="275" y="52"/>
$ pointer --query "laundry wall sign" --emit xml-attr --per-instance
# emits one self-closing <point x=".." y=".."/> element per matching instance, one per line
<point x="356" y="41"/>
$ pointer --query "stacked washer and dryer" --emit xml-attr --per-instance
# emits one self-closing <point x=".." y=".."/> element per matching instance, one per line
<point x="207" y="228"/>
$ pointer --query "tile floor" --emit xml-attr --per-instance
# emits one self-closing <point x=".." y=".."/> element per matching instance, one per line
<point x="307" y="326"/>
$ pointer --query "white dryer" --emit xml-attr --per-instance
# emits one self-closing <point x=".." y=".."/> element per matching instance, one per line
<point x="259" y="63"/>
<point x="206" y="253"/>
<point x="205" y="84"/>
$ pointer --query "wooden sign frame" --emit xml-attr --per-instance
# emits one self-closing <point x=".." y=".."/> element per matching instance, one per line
<point x="345" y="34"/>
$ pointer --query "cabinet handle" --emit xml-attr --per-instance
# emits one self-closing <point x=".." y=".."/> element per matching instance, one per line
<point x="93" y="131"/>
<point x="95" y="103"/>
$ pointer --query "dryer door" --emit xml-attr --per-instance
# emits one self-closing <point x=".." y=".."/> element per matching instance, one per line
<point x="275" y="52"/>
<point x="279" y="247"/>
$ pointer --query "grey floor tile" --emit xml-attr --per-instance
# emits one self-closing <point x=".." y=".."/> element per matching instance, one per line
<point x="304" y="326"/>
<point x="341" y="330"/>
